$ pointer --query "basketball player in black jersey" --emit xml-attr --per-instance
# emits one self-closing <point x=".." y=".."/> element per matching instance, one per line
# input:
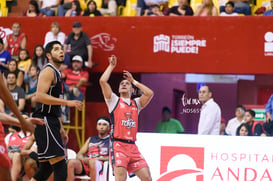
<point x="49" y="136"/>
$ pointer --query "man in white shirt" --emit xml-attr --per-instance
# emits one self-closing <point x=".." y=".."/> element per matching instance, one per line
<point x="210" y="116"/>
<point x="234" y="123"/>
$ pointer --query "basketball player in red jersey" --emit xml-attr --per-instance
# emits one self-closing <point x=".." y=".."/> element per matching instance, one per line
<point x="5" y="164"/>
<point x="124" y="117"/>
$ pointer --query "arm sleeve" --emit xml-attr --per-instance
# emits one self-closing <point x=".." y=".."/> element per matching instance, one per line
<point x="86" y="39"/>
<point x="180" y="128"/>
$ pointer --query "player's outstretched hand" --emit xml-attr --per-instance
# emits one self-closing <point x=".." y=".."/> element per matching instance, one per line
<point x="28" y="124"/>
<point x="128" y="76"/>
<point x="75" y="103"/>
<point x="113" y="60"/>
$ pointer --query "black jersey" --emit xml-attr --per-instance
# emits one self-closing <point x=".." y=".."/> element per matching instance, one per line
<point x="55" y="90"/>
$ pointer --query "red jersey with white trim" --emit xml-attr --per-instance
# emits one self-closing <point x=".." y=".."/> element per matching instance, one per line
<point x="124" y="120"/>
<point x="14" y="45"/>
<point x="18" y="139"/>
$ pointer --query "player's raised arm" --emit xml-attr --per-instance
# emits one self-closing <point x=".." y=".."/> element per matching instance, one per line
<point x="106" y="88"/>
<point x="147" y="92"/>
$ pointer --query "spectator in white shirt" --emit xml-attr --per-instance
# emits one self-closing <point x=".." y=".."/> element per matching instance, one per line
<point x="234" y="123"/>
<point x="210" y="116"/>
<point x="229" y="9"/>
<point x="54" y="34"/>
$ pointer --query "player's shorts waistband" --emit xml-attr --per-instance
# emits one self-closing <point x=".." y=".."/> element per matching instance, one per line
<point x="124" y="141"/>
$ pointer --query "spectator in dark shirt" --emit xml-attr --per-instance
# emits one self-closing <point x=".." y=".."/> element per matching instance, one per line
<point x="255" y="127"/>
<point x="80" y="44"/>
<point x="183" y="9"/>
<point x="91" y="9"/>
<point x="12" y="67"/>
<point x="17" y="93"/>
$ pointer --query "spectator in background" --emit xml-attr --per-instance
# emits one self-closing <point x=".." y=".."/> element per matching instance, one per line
<point x="12" y="68"/>
<point x="229" y="10"/>
<point x="269" y="109"/>
<point x="33" y="9"/>
<point x="207" y="8"/>
<point x="64" y="6"/>
<point x="48" y="7"/>
<point x="75" y="84"/>
<point x="92" y="9"/>
<point x="183" y="9"/>
<point x="91" y="156"/>
<point x="17" y="93"/>
<point x="243" y="130"/>
<point x="15" y="145"/>
<point x="210" y="116"/>
<point x="4" y="57"/>
<point x="255" y="127"/>
<point x="24" y="61"/>
<point x="80" y="44"/>
<point x="75" y="9"/>
<point x="155" y="11"/>
<point x="76" y="79"/>
<point x="54" y="34"/>
<point x="269" y="12"/>
<point x="234" y="123"/>
<point x="31" y="80"/>
<point x="168" y="124"/>
<point x="15" y="41"/>
<point x="109" y="7"/>
<point x="150" y="3"/>
<point x="39" y="58"/>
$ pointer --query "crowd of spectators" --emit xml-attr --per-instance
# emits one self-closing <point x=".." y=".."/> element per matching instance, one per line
<point x="143" y="7"/>
<point x="20" y="70"/>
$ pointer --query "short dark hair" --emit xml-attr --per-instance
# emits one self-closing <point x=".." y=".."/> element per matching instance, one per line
<point x="230" y="3"/>
<point x="246" y="126"/>
<point x="50" y="45"/>
<point x="104" y="118"/>
<point x="251" y="112"/>
<point x="12" y="73"/>
<point x="1" y="41"/>
<point x="166" y="109"/>
<point x="241" y="107"/>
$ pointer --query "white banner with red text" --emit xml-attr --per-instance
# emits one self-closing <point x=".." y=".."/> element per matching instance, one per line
<point x="179" y="157"/>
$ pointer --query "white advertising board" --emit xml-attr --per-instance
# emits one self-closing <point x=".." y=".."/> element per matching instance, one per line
<point x="180" y="157"/>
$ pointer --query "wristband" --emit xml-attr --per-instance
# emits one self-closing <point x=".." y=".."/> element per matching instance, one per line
<point x="135" y="83"/>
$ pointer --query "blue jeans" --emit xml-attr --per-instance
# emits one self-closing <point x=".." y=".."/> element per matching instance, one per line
<point x="70" y="96"/>
<point x="47" y="12"/>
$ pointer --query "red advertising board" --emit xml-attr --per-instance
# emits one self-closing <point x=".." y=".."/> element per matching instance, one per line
<point x="241" y="45"/>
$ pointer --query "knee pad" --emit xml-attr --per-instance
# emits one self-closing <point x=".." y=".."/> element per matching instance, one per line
<point x="43" y="172"/>
<point x="60" y="171"/>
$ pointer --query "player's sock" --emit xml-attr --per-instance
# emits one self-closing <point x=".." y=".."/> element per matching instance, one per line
<point x="60" y="171"/>
<point x="43" y="172"/>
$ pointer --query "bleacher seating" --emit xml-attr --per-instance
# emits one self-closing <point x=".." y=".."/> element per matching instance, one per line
<point x="3" y="8"/>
